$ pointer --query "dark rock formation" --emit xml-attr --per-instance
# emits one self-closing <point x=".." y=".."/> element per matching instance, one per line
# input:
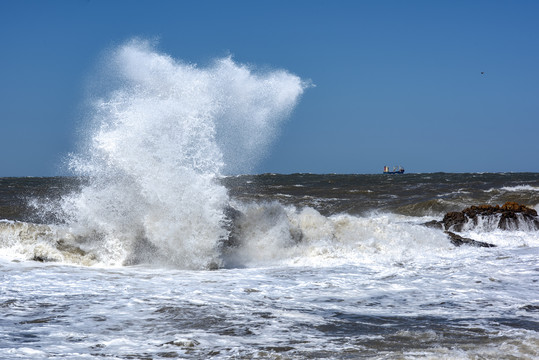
<point x="458" y="240"/>
<point x="508" y="216"/>
<point x="454" y="220"/>
<point x="232" y="225"/>
<point x="435" y="224"/>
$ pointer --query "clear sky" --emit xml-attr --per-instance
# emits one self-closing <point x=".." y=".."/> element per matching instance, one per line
<point x="397" y="82"/>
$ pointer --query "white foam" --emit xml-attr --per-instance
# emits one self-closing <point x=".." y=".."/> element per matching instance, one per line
<point x="26" y="241"/>
<point x="272" y="233"/>
<point x="161" y="135"/>
<point x="515" y="188"/>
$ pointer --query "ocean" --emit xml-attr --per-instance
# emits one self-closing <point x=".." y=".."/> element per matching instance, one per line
<point x="364" y="279"/>
<point x="153" y="248"/>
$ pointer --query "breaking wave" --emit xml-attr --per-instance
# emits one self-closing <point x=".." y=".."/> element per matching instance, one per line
<point x="160" y="136"/>
<point x="264" y="234"/>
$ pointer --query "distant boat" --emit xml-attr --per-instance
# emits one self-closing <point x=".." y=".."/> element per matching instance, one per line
<point x="396" y="170"/>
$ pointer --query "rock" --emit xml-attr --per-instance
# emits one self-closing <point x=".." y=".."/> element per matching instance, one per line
<point x="435" y="224"/>
<point x="454" y="220"/>
<point x="510" y="219"/>
<point x="41" y="258"/>
<point x="232" y="225"/>
<point x="234" y="222"/>
<point x="458" y="240"/>
<point x="510" y="215"/>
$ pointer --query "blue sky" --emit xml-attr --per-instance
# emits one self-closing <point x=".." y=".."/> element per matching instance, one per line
<point x="397" y="82"/>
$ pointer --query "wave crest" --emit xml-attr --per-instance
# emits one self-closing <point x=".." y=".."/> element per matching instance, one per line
<point x="161" y="135"/>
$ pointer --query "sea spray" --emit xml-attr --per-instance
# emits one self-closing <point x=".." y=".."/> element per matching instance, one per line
<point x="161" y="135"/>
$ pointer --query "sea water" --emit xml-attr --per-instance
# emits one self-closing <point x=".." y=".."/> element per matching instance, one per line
<point x="152" y="250"/>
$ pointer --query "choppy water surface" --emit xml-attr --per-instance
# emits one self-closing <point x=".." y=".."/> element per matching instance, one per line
<point x="377" y="284"/>
<point x="297" y="312"/>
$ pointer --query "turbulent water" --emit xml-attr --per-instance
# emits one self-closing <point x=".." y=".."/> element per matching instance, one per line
<point x="150" y="250"/>
<point x="324" y="266"/>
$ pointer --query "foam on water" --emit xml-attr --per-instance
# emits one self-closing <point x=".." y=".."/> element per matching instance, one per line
<point x="266" y="234"/>
<point x="450" y="308"/>
<point x="516" y="188"/>
<point x="161" y="135"/>
<point x="272" y="234"/>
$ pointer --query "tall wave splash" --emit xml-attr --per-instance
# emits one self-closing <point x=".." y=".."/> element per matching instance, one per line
<point x="161" y="135"/>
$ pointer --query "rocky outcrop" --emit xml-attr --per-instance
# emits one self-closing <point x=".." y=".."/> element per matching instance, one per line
<point x="510" y="215"/>
<point x="454" y="220"/>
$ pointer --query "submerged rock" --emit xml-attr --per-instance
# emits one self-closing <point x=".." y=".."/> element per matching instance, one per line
<point x="231" y="223"/>
<point x="458" y="240"/>
<point x="235" y="221"/>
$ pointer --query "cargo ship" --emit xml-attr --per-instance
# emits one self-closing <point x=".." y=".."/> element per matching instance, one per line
<point x="396" y="170"/>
